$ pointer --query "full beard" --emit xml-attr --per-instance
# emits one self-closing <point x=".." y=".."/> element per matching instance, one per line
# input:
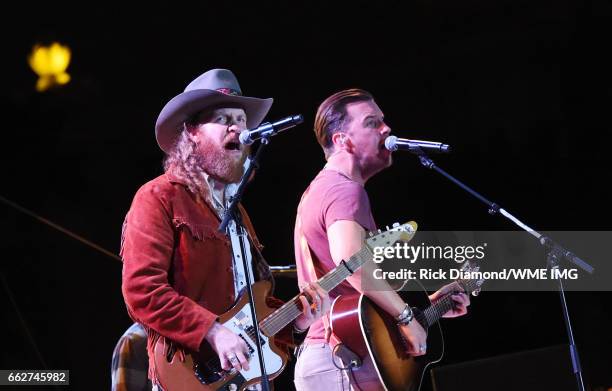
<point x="221" y="164"/>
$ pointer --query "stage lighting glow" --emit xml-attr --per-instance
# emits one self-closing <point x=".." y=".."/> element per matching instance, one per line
<point x="50" y="64"/>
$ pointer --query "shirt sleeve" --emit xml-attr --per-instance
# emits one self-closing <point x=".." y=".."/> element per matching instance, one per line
<point x="347" y="201"/>
<point x="147" y="249"/>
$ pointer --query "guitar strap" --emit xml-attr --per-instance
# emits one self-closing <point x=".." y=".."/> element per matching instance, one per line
<point x="250" y="243"/>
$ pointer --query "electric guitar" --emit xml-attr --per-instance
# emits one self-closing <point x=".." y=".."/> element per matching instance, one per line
<point x="377" y="350"/>
<point x="201" y="371"/>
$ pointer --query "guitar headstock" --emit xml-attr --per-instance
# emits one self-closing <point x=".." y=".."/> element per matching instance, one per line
<point x="470" y="285"/>
<point x="397" y="232"/>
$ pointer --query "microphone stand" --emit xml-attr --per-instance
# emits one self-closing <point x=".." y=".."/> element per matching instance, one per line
<point x="554" y="254"/>
<point x="232" y="218"/>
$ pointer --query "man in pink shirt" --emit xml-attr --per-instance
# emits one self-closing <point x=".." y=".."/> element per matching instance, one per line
<point x="333" y="217"/>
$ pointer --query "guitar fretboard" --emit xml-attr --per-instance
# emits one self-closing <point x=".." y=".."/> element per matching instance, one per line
<point x="280" y="318"/>
<point x="434" y="312"/>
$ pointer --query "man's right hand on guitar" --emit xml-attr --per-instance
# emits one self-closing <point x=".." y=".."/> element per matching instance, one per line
<point x="415" y="337"/>
<point x="232" y="350"/>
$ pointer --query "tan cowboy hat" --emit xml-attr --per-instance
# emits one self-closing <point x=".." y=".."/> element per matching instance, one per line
<point x="213" y="88"/>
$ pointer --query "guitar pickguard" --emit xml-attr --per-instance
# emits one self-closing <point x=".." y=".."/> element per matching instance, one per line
<point x="242" y="325"/>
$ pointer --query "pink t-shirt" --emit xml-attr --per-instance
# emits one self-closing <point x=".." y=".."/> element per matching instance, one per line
<point x="330" y="197"/>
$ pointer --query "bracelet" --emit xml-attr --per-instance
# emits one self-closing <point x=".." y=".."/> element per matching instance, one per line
<point x="406" y="316"/>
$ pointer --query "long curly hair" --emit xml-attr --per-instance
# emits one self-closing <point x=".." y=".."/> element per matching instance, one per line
<point x="183" y="163"/>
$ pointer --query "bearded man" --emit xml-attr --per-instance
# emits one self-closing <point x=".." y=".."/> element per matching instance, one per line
<point x="178" y="271"/>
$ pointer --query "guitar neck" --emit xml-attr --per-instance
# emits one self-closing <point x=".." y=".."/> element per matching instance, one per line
<point x="280" y="318"/>
<point x="434" y="312"/>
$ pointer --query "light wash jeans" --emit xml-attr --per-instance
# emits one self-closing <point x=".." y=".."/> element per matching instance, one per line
<point x="315" y="370"/>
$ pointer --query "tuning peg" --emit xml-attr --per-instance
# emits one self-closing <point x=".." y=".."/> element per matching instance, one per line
<point x="371" y="233"/>
<point x="379" y="231"/>
<point x="395" y="225"/>
<point x="387" y="227"/>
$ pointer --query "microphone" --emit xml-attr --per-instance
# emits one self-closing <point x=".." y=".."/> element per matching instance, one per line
<point x="267" y="129"/>
<point x="393" y="143"/>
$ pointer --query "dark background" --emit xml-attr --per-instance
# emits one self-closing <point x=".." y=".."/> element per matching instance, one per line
<point x="520" y="89"/>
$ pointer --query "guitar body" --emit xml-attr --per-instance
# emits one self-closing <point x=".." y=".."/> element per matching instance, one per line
<point x="201" y="371"/>
<point x="373" y="335"/>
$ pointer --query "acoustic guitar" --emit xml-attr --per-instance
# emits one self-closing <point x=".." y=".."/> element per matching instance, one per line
<point x="374" y="340"/>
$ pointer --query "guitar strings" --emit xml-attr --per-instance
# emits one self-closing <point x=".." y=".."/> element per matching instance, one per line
<point x="435" y="311"/>
<point x="289" y="311"/>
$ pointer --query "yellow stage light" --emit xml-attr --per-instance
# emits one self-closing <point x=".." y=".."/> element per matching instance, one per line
<point x="50" y="63"/>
